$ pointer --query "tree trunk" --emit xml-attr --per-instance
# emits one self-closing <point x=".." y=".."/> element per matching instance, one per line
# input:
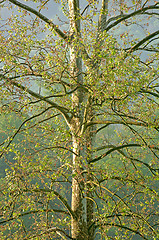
<point x="78" y="223"/>
<point x="82" y="195"/>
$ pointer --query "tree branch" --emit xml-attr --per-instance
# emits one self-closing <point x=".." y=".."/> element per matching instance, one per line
<point x="126" y="16"/>
<point x="113" y="148"/>
<point x="124" y="227"/>
<point x="149" y="92"/>
<point x="32" y="212"/>
<point x="64" y="111"/>
<point x="109" y="122"/>
<point x="42" y="17"/>
<point x="18" y="130"/>
<point x="62" y="199"/>
<point x="136" y="46"/>
<point x="55" y="147"/>
<point x="51" y="24"/>
<point x="53" y="229"/>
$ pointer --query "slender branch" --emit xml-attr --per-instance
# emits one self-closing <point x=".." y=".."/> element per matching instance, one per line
<point x="42" y="17"/>
<point x="64" y="111"/>
<point x="54" y="147"/>
<point x="120" y="215"/>
<point x="109" y="122"/>
<point x="114" y="148"/>
<point x="18" y="130"/>
<point x="149" y="92"/>
<point x="126" y="116"/>
<point x="62" y="199"/>
<point x="53" y="229"/>
<point x="149" y="49"/>
<point x="152" y="170"/>
<point x="85" y="9"/>
<point x="117" y="148"/>
<point x="124" y="227"/>
<point x="44" y="120"/>
<point x="136" y="46"/>
<point x="50" y="96"/>
<point x="126" y="16"/>
<point x="32" y="212"/>
<point x="122" y="179"/>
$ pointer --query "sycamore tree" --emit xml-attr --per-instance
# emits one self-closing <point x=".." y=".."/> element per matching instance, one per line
<point x="84" y="89"/>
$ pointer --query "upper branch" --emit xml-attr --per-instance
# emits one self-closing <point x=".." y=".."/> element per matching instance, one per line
<point x="41" y="16"/>
<point x="123" y="17"/>
<point x="137" y="45"/>
<point x="149" y="92"/>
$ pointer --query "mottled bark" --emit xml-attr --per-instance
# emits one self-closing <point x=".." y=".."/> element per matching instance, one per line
<point x="82" y="197"/>
<point x="78" y="224"/>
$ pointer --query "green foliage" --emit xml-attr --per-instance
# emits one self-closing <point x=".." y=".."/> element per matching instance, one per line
<point x="104" y="114"/>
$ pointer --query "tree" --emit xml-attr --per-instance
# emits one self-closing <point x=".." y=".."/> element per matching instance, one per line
<point x="90" y="93"/>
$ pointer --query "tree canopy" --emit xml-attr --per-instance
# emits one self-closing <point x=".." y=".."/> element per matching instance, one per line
<point x="79" y="111"/>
